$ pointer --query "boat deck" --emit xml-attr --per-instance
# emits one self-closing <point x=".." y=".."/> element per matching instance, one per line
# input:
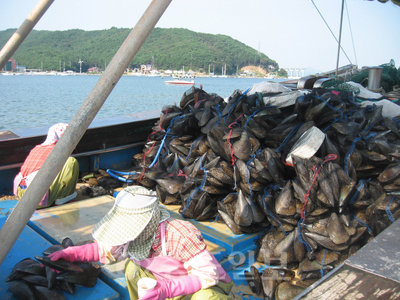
<point x="372" y="271"/>
<point x="76" y="220"/>
<point x="31" y="244"/>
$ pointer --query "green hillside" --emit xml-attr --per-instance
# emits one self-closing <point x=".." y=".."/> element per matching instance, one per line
<point x="170" y="48"/>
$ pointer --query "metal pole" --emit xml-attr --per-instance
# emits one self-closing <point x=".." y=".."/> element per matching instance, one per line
<point x="22" y="32"/>
<point x="340" y="37"/>
<point x="77" y="127"/>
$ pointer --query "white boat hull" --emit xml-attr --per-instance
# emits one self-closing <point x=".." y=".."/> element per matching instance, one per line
<point x="179" y="82"/>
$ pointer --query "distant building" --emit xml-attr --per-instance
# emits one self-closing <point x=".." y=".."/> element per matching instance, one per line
<point x="145" y="69"/>
<point x="20" y="69"/>
<point x="93" y="70"/>
<point x="248" y="72"/>
<point x="11" y="65"/>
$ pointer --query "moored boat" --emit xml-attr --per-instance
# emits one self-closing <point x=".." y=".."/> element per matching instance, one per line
<point x="179" y="82"/>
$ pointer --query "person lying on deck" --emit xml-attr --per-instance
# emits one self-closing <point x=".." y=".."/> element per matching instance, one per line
<point x="63" y="188"/>
<point x="169" y="250"/>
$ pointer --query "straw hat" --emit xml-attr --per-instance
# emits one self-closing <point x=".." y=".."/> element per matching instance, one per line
<point x="134" y="218"/>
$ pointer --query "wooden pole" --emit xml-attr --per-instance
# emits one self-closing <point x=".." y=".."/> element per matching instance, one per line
<point x="77" y="127"/>
<point x="22" y="32"/>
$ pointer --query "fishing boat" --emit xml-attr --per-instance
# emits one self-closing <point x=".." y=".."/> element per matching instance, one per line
<point x="179" y="82"/>
<point x="111" y="144"/>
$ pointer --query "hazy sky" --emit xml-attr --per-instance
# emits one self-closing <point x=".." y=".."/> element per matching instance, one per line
<point x="291" y="32"/>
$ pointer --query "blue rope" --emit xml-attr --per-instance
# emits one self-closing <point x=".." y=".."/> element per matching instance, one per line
<point x="174" y="120"/>
<point x="203" y="182"/>
<point x="192" y="147"/>
<point x="274" y="187"/>
<point x="365" y="138"/>
<point x="362" y="182"/>
<point x="330" y="106"/>
<point x="174" y="163"/>
<point x="246" y="90"/>
<point x="189" y="199"/>
<point x="114" y="173"/>
<point x="219" y="113"/>
<point x="389" y="213"/>
<point x="346" y="157"/>
<point x="248" y="120"/>
<point x="163" y="140"/>
<point x="289" y="136"/>
<point x="233" y="106"/>
<point x="335" y="120"/>
<point x="327" y="127"/>
<point x="269" y="213"/>
<point x="301" y="98"/>
<point x="361" y="222"/>
<point x="360" y="186"/>
<point x="322" y="265"/>
<point x="159" y="149"/>
<point x="301" y="239"/>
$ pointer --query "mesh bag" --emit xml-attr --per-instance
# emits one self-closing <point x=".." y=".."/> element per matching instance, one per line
<point x="339" y="85"/>
<point x="390" y="77"/>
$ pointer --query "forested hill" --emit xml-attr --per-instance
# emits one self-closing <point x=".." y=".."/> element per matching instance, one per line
<point x="172" y="48"/>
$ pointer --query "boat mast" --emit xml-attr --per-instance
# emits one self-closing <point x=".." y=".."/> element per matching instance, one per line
<point x="340" y="36"/>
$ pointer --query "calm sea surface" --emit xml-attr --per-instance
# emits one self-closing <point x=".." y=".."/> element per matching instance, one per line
<point x="32" y="101"/>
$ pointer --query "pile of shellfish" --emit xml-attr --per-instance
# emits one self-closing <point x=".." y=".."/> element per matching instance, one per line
<point x="41" y="278"/>
<point x="227" y="160"/>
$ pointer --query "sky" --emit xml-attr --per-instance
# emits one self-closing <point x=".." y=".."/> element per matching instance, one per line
<point x="294" y="33"/>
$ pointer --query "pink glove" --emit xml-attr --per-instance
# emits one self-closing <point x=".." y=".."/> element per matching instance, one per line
<point x="172" y="288"/>
<point x="88" y="253"/>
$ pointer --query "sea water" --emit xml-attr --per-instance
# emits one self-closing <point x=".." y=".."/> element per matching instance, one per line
<point x="33" y="101"/>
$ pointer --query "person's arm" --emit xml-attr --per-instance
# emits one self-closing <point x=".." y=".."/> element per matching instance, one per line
<point x="202" y="274"/>
<point x="170" y="288"/>
<point x="186" y="244"/>
<point x="202" y="266"/>
<point x="94" y="252"/>
<point x="88" y="253"/>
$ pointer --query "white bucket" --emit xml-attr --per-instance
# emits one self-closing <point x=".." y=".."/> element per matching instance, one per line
<point x="145" y="285"/>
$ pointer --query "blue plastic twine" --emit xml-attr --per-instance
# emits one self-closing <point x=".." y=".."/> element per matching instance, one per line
<point x="322" y="265"/>
<point x="159" y="149"/>
<point x="346" y="157"/>
<point x="289" y="136"/>
<point x="301" y="239"/>
<point x="194" y="144"/>
<point x="233" y="106"/>
<point x="248" y="120"/>
<point x="189" y="199"/>
<point x="269" y="213"/>
<point x="330" y="106"/>
<point x="389" y="213"/>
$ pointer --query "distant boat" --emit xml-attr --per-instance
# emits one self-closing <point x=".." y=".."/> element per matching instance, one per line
<point x="179" y="82"/>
